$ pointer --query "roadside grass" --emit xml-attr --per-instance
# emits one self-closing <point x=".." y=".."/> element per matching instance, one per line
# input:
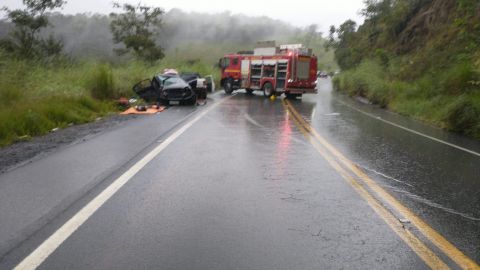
<point x="448" y="98"/>
<point x="37" y="97"/>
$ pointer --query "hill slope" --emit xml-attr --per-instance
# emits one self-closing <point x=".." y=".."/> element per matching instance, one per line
<point x="418" y="57"/>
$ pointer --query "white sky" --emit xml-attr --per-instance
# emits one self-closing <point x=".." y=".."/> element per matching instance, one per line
<point x="298" y="12"/>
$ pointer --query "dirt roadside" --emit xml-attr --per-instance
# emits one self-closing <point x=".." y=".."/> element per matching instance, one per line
<point x="21" y="153"/>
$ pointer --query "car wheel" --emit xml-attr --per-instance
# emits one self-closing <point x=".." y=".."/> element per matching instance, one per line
<point x="268" y="90"/>
<point x="163" y="102"/>
<point x="228" y="86"/>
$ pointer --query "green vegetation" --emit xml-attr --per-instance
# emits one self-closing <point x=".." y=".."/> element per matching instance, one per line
<point x="25" y="40"/>
<point x="35" y="98"/>
<point x="136" y="29"/>
<point x="417" y="57"/>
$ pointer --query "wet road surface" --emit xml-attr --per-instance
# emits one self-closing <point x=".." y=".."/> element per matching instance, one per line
<point x="438" y="182"/>
<point x="244" y="188"/>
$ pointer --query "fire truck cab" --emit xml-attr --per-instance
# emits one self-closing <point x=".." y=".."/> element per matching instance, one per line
<point x="289" y="69"/>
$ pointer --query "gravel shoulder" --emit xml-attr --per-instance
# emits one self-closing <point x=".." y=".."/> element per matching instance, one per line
<point x="21" y="153"/>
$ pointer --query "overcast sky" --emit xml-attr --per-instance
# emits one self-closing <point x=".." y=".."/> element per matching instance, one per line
<point x="298" y="12"/>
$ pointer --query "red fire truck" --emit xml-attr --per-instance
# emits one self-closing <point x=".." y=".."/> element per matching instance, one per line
<point x="289" y="69"/>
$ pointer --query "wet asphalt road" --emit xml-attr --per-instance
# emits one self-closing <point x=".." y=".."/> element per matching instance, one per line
<point x="243" y="188"/>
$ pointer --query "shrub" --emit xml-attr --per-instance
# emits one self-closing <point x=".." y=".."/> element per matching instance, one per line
<point x="366" y="80"/>
<point x="102" y="83"/>
<point x="463" y="116"/>
<point x="456" y="80"/>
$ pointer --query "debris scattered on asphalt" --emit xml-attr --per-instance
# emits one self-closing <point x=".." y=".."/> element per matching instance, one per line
<point x="141" y="108"/>
<point x="201" y="102"/>
<point x="23" y="138"/>
<point x="55" y="129"/>
<point x="124" y="102"/>
<point x="404" y="220"/>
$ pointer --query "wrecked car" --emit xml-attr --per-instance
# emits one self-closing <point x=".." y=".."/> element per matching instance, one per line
<point x="198" y="84"/>
<point x="201" y="85"/>
<point x="168" y="88"/>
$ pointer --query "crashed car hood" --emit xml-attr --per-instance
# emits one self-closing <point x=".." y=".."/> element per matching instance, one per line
<point x="176" y="86"/>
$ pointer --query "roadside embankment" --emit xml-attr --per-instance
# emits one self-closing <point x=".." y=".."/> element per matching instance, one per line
<point x="417" y="58"/>
<point x="433" y="98"/>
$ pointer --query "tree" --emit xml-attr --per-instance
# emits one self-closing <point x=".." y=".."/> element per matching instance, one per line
<point x="136" y="29"/>
<point x="312" y="35"/>
<point x="342" y="39"/>
<point x="25" y="40"/>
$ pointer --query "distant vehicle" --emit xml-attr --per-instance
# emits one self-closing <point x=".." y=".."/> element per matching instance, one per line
<point x="166" y="88"/>
<point x="290" y="69"/>
<point x="322" y="74"/>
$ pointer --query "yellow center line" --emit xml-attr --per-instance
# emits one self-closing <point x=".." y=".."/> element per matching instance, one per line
<point x="432" y="260"/>
<point x="443" y="244"/>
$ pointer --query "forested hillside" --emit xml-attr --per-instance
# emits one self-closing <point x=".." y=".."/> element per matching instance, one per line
<point x="184" y="36"/>
<point x="418" y="57"/>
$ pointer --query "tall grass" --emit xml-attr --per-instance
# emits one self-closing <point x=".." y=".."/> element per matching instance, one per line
<point x="35" y="98"/>
<point x="448" y="98"/>
<point x="102" y="86"/>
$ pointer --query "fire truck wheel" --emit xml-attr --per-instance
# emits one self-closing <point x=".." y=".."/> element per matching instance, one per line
<point x="228" y="86"/>
<point x="268" y="90"/>
<point x="249" y="91"/>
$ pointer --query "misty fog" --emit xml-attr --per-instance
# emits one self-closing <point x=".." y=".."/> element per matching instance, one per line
<point x="182" y="35"/>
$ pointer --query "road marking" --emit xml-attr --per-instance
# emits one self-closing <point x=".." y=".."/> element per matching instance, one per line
<point x="252" y="121"/>
<point x="41" y="253"/>
<point x="436" y="238"/>
<point x="410" y="130"/>
<point x="428" y="256"/>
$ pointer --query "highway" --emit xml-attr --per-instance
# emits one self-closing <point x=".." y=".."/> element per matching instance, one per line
<point x="245" y="182"/>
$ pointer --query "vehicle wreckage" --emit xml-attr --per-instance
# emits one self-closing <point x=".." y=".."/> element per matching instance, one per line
<point x="172" y="88"/>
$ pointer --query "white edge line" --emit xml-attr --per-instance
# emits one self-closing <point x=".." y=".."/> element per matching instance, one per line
<point x="411" y="130"/>
<point x="41" y="253"/>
